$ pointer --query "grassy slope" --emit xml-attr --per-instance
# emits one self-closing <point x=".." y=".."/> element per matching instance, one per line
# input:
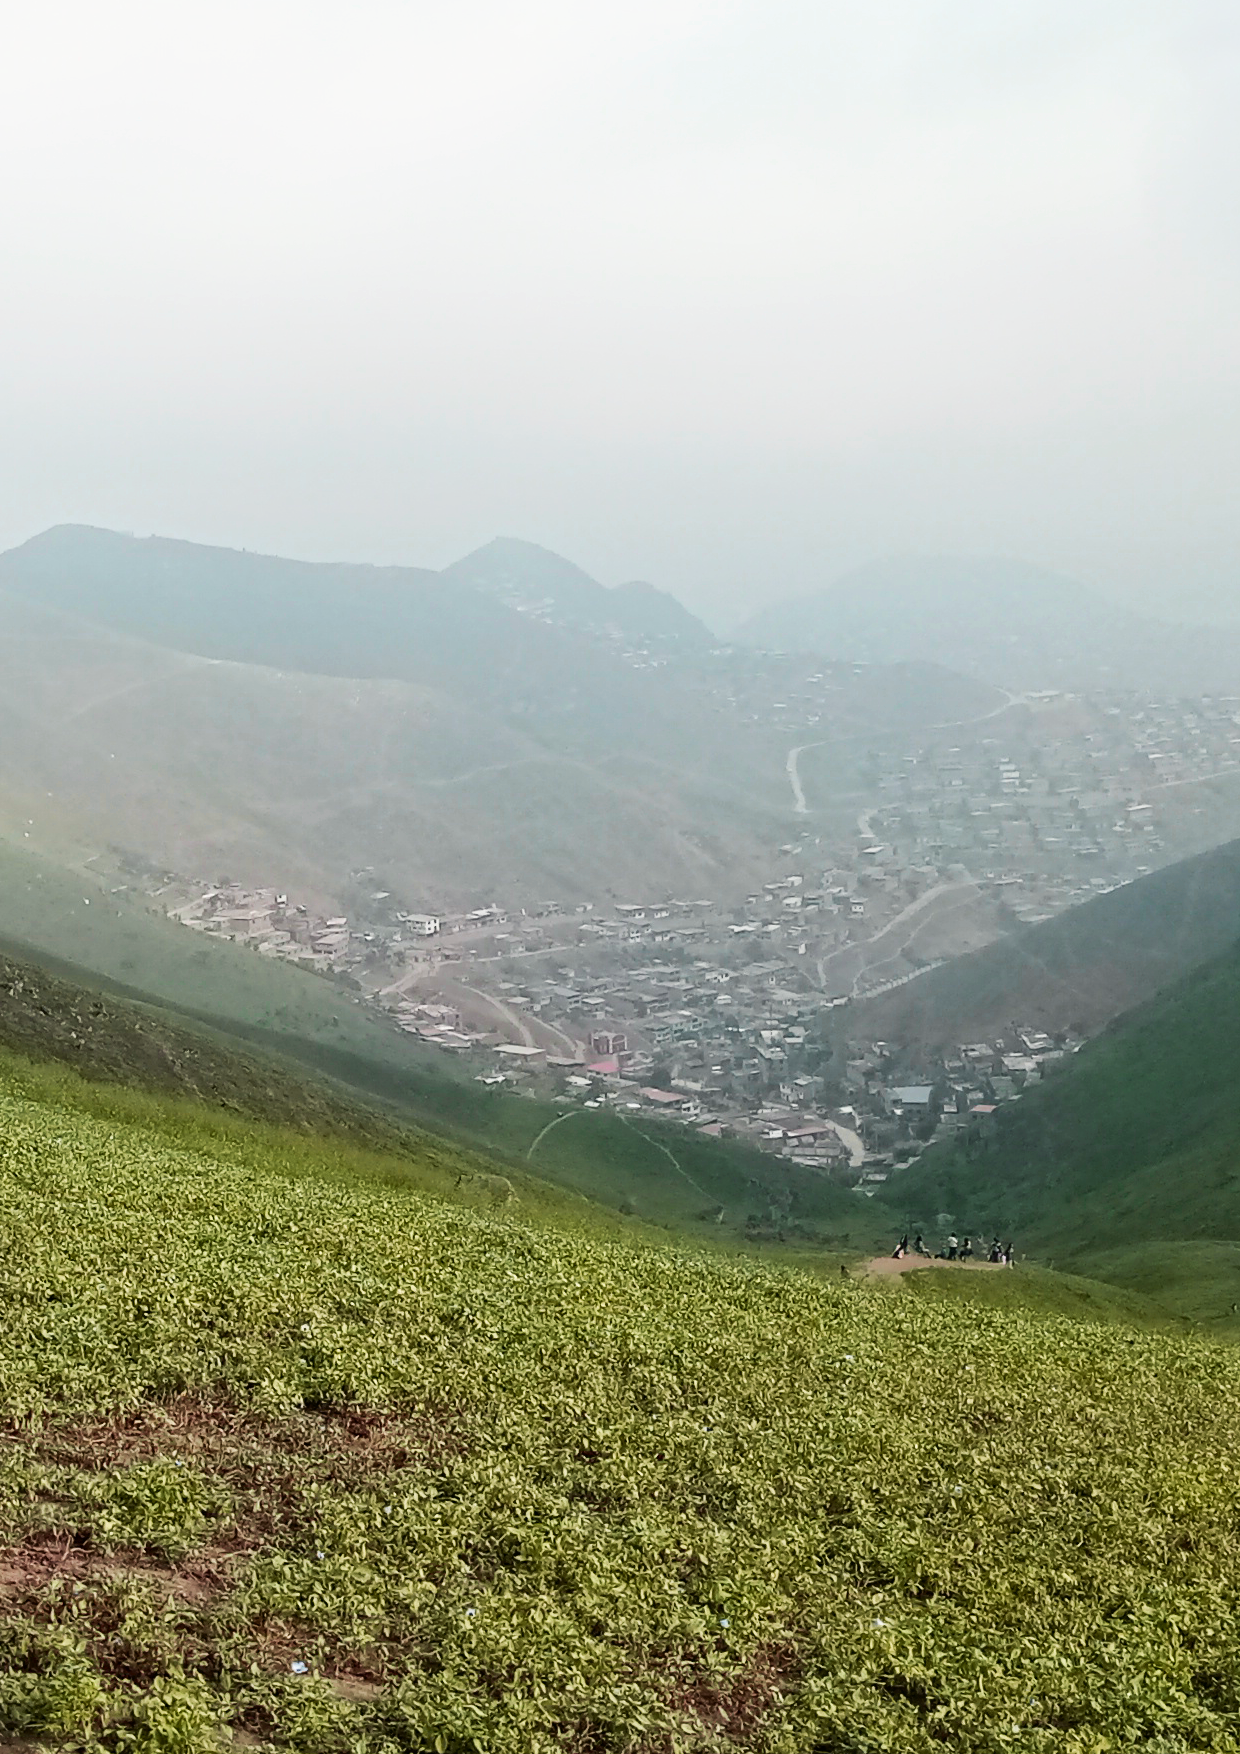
<point x="334" y="1464"/>
<point x="309" y="1024"/>
<point x="1135" y="1145"/>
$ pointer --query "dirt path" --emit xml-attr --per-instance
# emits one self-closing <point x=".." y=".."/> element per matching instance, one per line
<point x="794" y="776"/>
<point x="559" y="1121"/>
<point x="663" y="1148"/>
<point x="859" y="946"/>
<point x="505" y="1011"/>
<point x="884" y="1266"/>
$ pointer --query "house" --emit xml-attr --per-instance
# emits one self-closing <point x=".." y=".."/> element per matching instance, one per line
<point x="912" y="1095"/>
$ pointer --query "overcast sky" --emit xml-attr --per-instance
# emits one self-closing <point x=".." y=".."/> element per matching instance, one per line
<point x="727" y="294"/>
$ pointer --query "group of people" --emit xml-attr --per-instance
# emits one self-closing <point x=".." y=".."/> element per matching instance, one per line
<point x="999" y="1254"/>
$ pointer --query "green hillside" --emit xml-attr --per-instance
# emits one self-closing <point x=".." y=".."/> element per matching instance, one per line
<point x="301" y="1452"/>
<point x="1133" y="1145"/>
<point x="1078" y="970"/>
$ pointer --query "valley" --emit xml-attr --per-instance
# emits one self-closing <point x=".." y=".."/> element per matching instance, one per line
<point x="446" y="1079"/>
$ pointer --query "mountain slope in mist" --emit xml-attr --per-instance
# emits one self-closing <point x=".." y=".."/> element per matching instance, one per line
<point x="1015" y="625"/>
<point x="1076" y="971"/>
<point x="292" y="723"/>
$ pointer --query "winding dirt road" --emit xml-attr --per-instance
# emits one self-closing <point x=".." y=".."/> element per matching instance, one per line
<point x="794" y="775"/>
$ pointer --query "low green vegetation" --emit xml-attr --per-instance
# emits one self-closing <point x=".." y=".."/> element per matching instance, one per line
<point x="1199" y="1279"/>
<point x="1037" y="1290"/>
<point x="316" y="1450"/>
<point x="92" y="932"/>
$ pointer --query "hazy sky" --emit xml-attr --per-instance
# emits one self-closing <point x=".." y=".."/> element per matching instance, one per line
<point x="730" y="295"/>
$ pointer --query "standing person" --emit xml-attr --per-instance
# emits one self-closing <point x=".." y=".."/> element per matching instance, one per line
<point x="1008" y="1254"/>
<point x="966" y="1252"/>
<point x="996" y="1253"/>
<point x="953" y="1247"/>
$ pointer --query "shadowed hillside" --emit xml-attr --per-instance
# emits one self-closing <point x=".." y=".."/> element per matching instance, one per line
<point x="1074" y="972"/>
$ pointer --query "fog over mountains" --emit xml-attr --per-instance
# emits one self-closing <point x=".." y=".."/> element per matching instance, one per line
<point x="1014" y="624"/>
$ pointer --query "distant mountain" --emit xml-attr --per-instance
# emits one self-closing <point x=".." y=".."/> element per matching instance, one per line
<point x="1015" y="625"/>
<point x="1078" y="970"/>
<point x="528" y="577"/>
<point x="1135" y="1142"/>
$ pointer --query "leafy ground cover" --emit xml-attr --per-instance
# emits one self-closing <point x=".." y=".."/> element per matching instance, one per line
<point x="323" y="1464"/>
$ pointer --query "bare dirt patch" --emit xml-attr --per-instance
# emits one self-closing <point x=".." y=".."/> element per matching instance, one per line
<point x="733" y="1706"/>
<point x="884" y="1266"/>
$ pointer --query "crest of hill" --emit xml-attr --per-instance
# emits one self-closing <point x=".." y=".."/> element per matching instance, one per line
<point x="317" y="617"/>
<point x="1074" y="972"/>
<point x="293" y="722"/>
<point x="1132" y="1146"/>
<point x="522" y="573"/>
<point x="338" y="618"/>
<point x="1017" y="625"/>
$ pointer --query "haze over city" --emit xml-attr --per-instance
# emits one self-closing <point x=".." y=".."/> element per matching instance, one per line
<point x="732" y="297"/>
